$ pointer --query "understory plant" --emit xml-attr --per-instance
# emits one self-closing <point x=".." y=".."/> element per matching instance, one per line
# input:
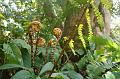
<point x="39" y="58"/>
<point x="47" y="49"/>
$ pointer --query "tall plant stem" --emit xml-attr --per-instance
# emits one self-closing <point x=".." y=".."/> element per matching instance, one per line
<point x="36" y="50"/>
<point x="32" y="53"/>
<point x="61" y="54"/>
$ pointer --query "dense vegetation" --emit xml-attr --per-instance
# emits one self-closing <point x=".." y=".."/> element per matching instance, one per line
<point x="58" y="39"/>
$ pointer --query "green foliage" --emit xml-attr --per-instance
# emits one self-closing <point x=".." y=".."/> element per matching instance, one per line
<point x="94" y="71"/>
<point x="1" y="16"/>
<point x="116" y="74"/>
<point x="98" y="56"/>
<point x="111" y="47"/>
<point x="26" y="58"/>
<point x="68" y="66"/>
<point x="72" y="46"/>
<point x="12" y="54"/>
<point x="38" y="77"/>
<point x="74" y="75"/>
<point x="109" y="75"/>
<point x="89" y="25"/>
<point x="47" y="67"/>
<point x="21" y="43"/>
<point x="67" y="74"/>
<point x="59" y="76"/>
<point x="81" y="35"/>
<point x="107" y="4"/>
<point x="23" y="74"/>
<point x="97" y="14"/>
<point x="9" y="66"/>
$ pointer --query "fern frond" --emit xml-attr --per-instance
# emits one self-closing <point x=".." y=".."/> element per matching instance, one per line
<point x="107" y="4"/>
<point x="97" y="14"/>
<point x="80" y="27"/>
<point x="72" y="46"/>
<point x="89" y="25"/>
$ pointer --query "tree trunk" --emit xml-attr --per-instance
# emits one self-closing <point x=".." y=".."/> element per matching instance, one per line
<point x="106" y="16"/>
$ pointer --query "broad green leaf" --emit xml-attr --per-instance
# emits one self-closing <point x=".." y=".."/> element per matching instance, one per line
<point x="22" y="43"/>
<point x="99" y="52"/>
<point x="74" y="75"/>
<point x="79" y="51"/>
<point x="109" y="75"/>
<point x="12" y="53"/>
<point x="26" y="57"/>
<point x="16" y="52"/>
<point x="56" y="53"/>
<point x="47" y="67"/>
<point x="116" y="74"/>
<point x="94" y="70"/>
<point x="60" y="75"/>
<point x="38" y="77"/>
<point x="42" y="50"/>
<point x="10" y="66"/>
<point x="98" y="40"/>
<point x="68" y="66"/>
<point x="7" y="48"/>
<point x="23" y="74"/>
<point x="39" y="61"/>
